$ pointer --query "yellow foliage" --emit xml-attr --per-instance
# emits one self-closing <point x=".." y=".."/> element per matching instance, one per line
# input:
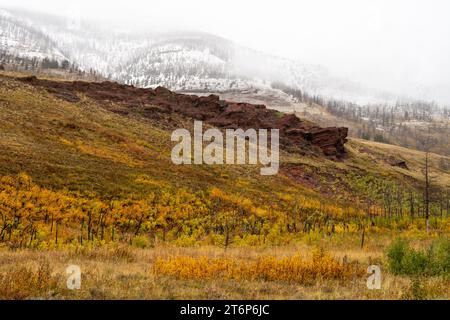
<point x="30" y="215"/>
<point x="269" y="268"/>
<point x="106" y="153"/>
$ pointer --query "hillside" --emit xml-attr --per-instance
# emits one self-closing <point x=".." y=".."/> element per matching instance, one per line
<point x="72" y="130"/>
<point x="114" y="140"/>
<point x="86" y="176"/>
<point x="22" y="39"/>
<point x="202" y="63"/>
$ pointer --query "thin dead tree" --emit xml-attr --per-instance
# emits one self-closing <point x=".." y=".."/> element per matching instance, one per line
<point x="427" y="191"/>
<point x="426" y="143"/>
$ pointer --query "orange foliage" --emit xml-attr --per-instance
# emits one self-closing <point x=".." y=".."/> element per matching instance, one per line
<point x="269" y="268"/>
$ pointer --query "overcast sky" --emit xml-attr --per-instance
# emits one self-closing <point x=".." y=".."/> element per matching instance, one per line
<point x="398" y="45"/>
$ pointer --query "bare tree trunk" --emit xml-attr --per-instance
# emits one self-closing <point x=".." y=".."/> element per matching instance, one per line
<point x="227" y="237"/>
<point x="363" y="236"/>
<point x="411" y="205"/>
<point x="427" y="193"/>
<point x="89" y="227"/>
<point x="448" y="203"/>
<point x="81" y="232"/>
<point x="56" y="232"/>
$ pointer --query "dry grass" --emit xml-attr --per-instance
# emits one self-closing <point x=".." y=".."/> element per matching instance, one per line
<point x="124" y="272"/>
<point x="377" y="153"/>
<point x="293" y="269"/>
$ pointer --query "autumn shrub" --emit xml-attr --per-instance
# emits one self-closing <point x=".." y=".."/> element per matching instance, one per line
<point x="141" y="242"/>
<point x="27" y="282"/>
<point x="268" y="268"/>
<point x="36" y="217"/>
<point x="434" y="261"/>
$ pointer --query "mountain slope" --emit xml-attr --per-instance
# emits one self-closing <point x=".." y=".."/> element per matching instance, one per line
<point x="179" y="60"/>
<point x="23" y="40"/>
<point x="102" y="137"/>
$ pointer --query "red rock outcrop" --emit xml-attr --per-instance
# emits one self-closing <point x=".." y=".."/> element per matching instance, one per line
<point x="294" y="132"/>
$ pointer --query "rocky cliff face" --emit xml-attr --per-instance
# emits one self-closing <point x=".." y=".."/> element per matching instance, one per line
<point x="294" y="133"/>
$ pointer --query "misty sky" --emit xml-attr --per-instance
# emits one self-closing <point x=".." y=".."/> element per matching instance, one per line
<point x="397" y="45"/>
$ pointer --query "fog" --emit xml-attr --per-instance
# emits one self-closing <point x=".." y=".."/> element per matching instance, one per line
<point x="401" y="46"/>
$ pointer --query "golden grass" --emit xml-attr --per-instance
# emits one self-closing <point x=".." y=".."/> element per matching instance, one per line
<point x="24" y="282"/>
<point x="377" y="152"/>
<point x="124" y="272"/>
<point x="268" y="268"/>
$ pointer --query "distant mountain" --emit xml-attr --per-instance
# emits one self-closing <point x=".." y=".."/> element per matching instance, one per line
<point x="17" y="37"/>
<point x="184" y="61"/>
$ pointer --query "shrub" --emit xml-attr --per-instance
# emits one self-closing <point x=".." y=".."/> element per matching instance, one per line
<point x="267" y="268"/>
<point x="415" y="262"/>
<point x="440" y="257"/>
<point x="396" y="253"/>
<point x="27" y="282"/>
<point x="141" y="242"/>
<point x="435" y="261"/>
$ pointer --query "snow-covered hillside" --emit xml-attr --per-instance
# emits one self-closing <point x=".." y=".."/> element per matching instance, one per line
<point x="185" y="61"/>
<point x="23" y="40"/>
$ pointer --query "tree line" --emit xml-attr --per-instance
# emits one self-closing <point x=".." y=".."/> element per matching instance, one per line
<point x="402" y="124"/>
<point x="31" y="215"/>
<point x="11" y="62"/>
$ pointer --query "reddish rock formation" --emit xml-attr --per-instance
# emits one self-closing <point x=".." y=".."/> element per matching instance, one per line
<point x="397" y="163"/>
<point x="220" y="113"/>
